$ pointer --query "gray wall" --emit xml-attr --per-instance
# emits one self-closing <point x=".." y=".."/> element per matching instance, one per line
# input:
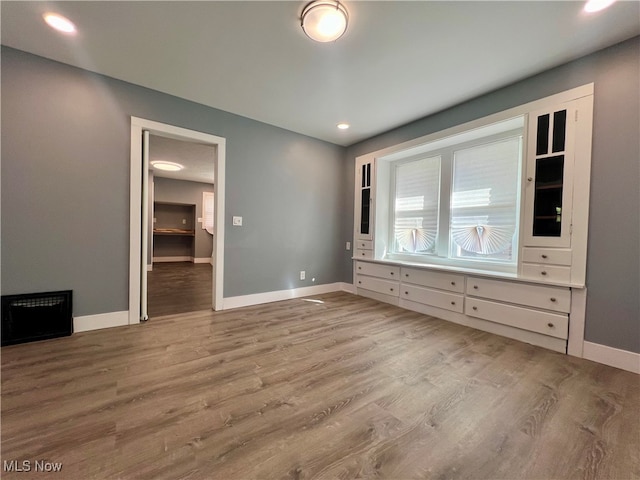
<point x="65" y="188"/>
<point x="613" y="259"/>
<point x="182" y="191"/>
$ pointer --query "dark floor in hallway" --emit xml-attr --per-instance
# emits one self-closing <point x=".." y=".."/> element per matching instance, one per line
<point x="179" y="287"/>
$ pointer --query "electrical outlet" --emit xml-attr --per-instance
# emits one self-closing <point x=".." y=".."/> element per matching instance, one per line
<point x="237" y="221"/>
<point x="184" y="221"/>
<point x="348" y="245"/>
<point x="303" y="275"/>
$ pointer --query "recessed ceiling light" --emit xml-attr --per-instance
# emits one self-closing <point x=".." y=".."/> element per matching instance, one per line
<point x="167" y="166"/>
<point x="597" y="5"/>
<point x="343" y="126"/>
<point x="59" y="22"/>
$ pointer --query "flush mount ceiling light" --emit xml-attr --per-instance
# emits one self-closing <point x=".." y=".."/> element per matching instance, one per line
<point x="343" y="126"/>
<point x="324" y="20"/>
<point x="167" y="166"/>
<point x="59" y="22"/>
<point x="597" y="5"/>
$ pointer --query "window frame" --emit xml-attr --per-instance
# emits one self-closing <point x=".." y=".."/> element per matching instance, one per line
<point x="442" y="252"/>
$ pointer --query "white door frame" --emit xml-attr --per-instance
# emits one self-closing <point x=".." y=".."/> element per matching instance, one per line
<point x="135" y="206"/>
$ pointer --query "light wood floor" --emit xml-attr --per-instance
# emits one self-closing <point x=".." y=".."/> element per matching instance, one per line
<point x="346" y="388"/>
<point x="178" y="287"/>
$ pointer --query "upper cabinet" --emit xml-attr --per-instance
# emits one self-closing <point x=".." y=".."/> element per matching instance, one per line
<point x="556" y="192"/>
<point x="364" y="196"/>
<point x="549" y="177"/>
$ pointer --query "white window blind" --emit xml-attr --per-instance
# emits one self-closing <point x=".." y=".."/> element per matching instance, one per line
<point x="417" y="192"/>
<point x="484" y="200"/>
<point x="207" y="212"/>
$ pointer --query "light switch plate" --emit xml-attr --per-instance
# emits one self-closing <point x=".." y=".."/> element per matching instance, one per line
<point x="237" y="221"/>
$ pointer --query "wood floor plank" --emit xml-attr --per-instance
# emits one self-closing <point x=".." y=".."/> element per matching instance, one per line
<point x="343" y="387"/>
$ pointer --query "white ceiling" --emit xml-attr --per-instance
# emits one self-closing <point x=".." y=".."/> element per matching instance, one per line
<point x="398" y="61"/>
<point x="197" y="159"/>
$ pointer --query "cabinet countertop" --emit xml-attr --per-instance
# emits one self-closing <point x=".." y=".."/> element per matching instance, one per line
<point x="467" y="271"/>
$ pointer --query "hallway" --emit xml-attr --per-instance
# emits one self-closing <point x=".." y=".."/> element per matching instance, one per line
<point x="179" y="287"/>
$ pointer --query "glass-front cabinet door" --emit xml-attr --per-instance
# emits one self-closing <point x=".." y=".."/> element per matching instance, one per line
<point x="364" y="200"/>
<point x="548" y="183"/>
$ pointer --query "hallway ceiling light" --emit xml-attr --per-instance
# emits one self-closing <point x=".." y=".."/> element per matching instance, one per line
<point x="167" y="166"/>
<point x="343" y="126"/>
<point x="324" y="20"/>
<point x="597" y="5"/>
<point x="59" y="22"/>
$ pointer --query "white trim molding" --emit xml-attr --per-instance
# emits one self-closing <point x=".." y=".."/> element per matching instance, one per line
<point x="102" y="320"/>
<point x="613" y="357"/>
<point x="172" y="259"/>
<point x="277" y="296"/>
<point x="138" y="125"/>
<point x="348" y="287"/>
<point x="203" y="260"/>
<point x="577" y="318"/>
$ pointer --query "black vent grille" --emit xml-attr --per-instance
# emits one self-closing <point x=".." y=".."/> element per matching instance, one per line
<point x="36" y="316"/>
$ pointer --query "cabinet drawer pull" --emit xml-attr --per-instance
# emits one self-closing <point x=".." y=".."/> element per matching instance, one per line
<point x="359" y="282"/>
<point x="453" y="283"/>
<point x="406" y="293"/>
<point x="530" y="179"/>
<point x="391" y="273"/>
<point x="406" y="275"/>
<point x="453" y="303"/>
<point x="363" y="254"/>
<point x="552" y="299"/>
<point x="391" y="289"/>
<point x="543" y="256"/>
<point x="475" y="287"/>
<point x="550" y="325"/>
<point x="359" y="268"/>
<point x="475" y="308"/>
<point x="543" y="272"/>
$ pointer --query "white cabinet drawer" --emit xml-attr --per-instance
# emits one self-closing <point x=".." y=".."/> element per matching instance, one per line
<point x="429" y="278"/>
<point x="552" y="324"/>
<point x="364" y="244"/>
<point x="435" y="298"/>
<point x="378" y="270"/>
<point x="547" y="256"/>
<point x="388" y="287"/>
<point x="364" y="253"/>
<point x="550" y="273"/>
<point x="550" y="298"/>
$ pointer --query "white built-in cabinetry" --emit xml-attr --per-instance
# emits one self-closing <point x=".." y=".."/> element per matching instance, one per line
<point x="537" y="314"/>
<point x="365" y="184"/>
<point x="536" y="302"/>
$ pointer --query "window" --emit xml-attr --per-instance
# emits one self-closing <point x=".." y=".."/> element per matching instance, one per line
<point x="457" y="200"/>
<point x="417" y="188"/>
<point x="207" y="212"/>
<point x="484" y="201"/>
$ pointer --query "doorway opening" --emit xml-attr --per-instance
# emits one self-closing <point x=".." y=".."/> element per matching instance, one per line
<point x="187" y="232"/>
<point x="181" y="185"/>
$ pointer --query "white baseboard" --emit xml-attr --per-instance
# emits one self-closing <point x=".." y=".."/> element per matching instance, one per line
<point x="614" y="357"/>
<point x="203" y="260"/>
<point x="172" y="259"/>
<point x="101" y="320"/>
<point x="267" y="297"/>
<point x="348" y="287"/>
